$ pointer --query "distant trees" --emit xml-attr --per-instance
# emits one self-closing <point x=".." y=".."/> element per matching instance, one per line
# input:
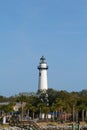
<point x="7" y="108"/>
<point x="51" y="101"/>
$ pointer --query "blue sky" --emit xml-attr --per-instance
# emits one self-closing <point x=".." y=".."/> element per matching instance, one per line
<point x="56" y="29"/>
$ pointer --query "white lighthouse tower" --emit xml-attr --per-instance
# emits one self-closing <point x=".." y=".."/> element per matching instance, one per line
<point x="42" y="85"/>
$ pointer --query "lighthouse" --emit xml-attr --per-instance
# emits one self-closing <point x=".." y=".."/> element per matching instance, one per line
<point x="42" y="84"/>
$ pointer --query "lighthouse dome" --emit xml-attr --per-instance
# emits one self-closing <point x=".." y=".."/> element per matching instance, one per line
<point x="42" y="59"/>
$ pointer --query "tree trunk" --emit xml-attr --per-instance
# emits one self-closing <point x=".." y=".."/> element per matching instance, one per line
<point x="73" y="113"/>
<point x="83" y="115"/>
<point x="33" y="115"/>
<point x="86" y="116"/>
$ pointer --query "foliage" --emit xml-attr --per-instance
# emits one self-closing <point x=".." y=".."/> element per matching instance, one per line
<point x="7" y="108"/>
<point x="51" y="100"/>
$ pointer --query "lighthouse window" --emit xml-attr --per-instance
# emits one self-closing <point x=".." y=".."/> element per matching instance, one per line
<point x="39" y="74"/>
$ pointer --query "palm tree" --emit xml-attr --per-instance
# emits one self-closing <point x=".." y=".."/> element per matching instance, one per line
<point x="40" y="106"/>
<point x="22" y="99"/>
